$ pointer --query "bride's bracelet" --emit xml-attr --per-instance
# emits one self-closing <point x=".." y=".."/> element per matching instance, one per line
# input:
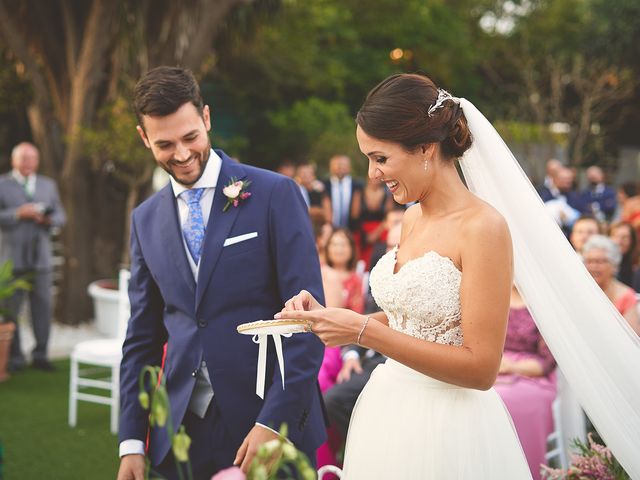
<point x="364" y="325"/>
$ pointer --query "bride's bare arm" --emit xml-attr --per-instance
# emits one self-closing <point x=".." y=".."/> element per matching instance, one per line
<point x="487" y="263"/>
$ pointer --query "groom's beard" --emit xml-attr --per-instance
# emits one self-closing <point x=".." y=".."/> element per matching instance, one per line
<point x="200" y="159"/>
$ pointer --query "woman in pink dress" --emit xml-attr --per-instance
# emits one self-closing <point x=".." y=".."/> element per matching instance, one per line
<point x="526" y="382"/>
<point x="342" y="289"/>
<point x="602" y="258"/>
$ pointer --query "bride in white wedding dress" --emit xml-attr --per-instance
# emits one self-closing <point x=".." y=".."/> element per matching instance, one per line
<point x="429" y="412"/>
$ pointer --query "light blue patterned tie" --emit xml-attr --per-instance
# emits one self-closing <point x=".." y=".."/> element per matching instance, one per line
<point x="193" y="228"/>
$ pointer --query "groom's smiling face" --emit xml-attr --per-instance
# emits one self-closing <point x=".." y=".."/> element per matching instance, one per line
<point x="179" y="142"/>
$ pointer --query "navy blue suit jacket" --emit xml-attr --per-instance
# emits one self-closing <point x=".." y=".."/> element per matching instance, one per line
<point x="607" y="201"/>
<point x="239" y="283"/>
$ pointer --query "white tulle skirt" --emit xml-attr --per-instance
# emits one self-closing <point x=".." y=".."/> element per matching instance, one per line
<point x="409" y="426"/>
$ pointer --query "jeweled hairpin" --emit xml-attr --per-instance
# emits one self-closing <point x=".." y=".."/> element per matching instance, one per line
<point x="442" y="96"/>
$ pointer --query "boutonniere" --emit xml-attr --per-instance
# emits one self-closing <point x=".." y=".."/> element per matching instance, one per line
<point x="236" y="192"/>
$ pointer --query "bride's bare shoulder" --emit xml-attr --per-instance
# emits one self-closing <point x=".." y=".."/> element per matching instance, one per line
<point x="483" y="221"/>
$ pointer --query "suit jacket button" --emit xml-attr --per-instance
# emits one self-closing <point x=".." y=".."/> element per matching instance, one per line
<point x="202" y="323"/>
<point x="194" y="373"/>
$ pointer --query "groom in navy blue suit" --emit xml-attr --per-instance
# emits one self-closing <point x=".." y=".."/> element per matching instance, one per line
<point x="199" y="270"/>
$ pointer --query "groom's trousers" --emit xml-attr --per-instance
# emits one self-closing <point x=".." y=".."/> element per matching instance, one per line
<point x="211" y="450"/>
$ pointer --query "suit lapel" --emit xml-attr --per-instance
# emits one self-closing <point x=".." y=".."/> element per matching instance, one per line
<point x="19" y="188"/>
<point x="219" y="224"/>
<point x="169" y="229"/>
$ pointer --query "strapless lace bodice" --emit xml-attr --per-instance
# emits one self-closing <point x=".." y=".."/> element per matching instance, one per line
<point x="422" y="299"/>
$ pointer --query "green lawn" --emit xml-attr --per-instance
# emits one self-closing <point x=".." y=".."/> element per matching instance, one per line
<point x="38" y="442"/>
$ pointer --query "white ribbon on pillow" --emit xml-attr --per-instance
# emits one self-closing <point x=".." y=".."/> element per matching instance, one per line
<point x="262" y="340"/>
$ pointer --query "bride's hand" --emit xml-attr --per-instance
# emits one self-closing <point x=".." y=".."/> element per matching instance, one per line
<point x="302" y="301"/>
<point x="334" y="326"/>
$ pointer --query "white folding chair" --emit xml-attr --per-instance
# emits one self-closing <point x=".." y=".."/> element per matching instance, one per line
<point x="556" y="454"/>
<point x="329" y="469"/>
<point x="100" y="355"/>
<point x="569" y="420"/>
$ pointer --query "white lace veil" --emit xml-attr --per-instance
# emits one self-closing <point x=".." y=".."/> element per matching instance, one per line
<point x="594" y="346"/>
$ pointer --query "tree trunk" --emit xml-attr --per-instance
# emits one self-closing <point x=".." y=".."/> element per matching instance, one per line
<point x="66" y="48"/>
<point x="75" y="304"/>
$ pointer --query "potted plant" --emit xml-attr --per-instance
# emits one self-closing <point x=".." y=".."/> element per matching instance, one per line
<point x="105" y="305"/>
<point x="8" y="286"/>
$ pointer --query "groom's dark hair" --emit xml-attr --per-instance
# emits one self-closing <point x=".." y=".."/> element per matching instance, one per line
<point x="163" y="90"/>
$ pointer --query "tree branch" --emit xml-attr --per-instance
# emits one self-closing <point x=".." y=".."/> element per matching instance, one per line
<point x="70" y="37"/>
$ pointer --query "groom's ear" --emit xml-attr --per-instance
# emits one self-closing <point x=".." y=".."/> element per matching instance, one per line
<point x="206" y="117"/>
<point x="143" y="136"/>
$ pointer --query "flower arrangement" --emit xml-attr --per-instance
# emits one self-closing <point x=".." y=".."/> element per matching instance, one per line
<point x="236" y="191"/>
<point x="592" y="462"/>
<point x="273" y="458"/>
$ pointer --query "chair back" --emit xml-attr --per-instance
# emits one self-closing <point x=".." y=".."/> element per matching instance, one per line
<point x="124" y="307"/>
<point x="573" y="419"/>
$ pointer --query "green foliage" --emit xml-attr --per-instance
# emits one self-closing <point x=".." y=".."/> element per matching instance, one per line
<point x="115" y="146"/>
<point x="322" y="57"/>
<point x="273" y="457"/>
<point x="314" y="129"/>
<point x="279" y="454"/>
<point x="527" y="132"/>
<point x="8" y="284"/>
<point x="38" y="442"/>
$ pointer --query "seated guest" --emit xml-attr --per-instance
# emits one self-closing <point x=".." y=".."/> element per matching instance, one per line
<point x="343" y="289"/>
<point x="369" y="210"/>
<point x="313" y="190"/>
<point x="624" y="235"/>
<point x="322" y="229"/>
<point x="581" y="230"/>
<point x="286" y="168"/>
<point x="602" y="258"/>
<point x="562" y="201"/>
<point x="392" y="218"/>
<point x="598" y="199"/>
<point x="629" y="199"/>
<point x="526" y="382"/>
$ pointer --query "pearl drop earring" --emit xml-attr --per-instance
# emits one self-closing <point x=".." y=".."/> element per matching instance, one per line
<point x="426" y="165"/>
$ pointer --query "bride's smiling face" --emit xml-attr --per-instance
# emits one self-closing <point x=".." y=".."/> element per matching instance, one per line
<point x="400" y="170"/>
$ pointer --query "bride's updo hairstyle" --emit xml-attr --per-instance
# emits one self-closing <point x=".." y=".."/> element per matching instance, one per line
<point x="397" y="110"/>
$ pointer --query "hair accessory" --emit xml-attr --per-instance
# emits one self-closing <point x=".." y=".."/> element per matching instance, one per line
<point x="443" y="95"/>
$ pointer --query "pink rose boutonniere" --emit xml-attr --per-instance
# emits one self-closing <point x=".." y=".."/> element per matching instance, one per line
<point x="236" y="192"/>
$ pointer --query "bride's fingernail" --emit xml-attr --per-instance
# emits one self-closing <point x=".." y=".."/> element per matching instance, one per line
<point x="277" y="315"/>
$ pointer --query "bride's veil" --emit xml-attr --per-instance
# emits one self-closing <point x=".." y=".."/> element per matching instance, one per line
<point x="594" y="346"/>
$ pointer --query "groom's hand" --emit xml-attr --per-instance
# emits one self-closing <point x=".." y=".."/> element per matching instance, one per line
<point x="247" y="451"/>
<point x="131" y="467"/>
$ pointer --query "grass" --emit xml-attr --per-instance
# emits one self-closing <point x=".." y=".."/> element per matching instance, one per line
<point x="38" y="442"/>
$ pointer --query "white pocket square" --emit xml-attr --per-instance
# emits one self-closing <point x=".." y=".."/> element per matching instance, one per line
<point x="239" y="238"/>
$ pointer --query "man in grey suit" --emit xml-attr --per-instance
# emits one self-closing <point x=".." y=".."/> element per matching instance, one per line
<point x="29" y="208"/>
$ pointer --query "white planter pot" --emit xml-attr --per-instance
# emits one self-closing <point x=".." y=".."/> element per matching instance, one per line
<point x="105" y="306"/>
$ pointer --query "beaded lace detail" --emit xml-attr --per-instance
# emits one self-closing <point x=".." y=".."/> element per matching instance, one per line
<point x="422" y="299"/>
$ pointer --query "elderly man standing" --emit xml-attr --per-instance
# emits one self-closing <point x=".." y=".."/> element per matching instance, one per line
<point x="29" y="208"/>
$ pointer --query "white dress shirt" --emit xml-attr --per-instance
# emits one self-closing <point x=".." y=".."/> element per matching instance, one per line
<point x="341" y="200"/>
<point x="29" y="183"/>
